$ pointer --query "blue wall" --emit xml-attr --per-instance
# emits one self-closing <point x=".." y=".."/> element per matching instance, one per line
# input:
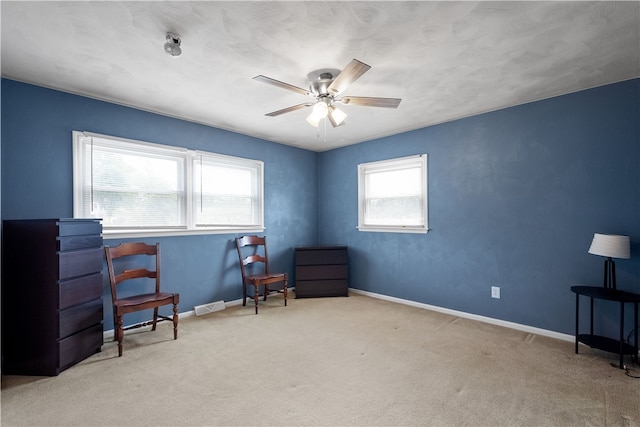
<point x="514" y="199"/>
<point x="37" y="182"/>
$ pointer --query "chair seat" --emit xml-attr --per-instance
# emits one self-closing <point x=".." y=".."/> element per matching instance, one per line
<point x="265" y="278"/>
<point x="161" y="298"/>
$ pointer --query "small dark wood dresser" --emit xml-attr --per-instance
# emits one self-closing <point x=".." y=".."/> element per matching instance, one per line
<point x="321" y="271"/>
<point x="52" y="309"/>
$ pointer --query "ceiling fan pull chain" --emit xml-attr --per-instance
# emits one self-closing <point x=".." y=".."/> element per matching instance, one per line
<point x="325" y="129"/>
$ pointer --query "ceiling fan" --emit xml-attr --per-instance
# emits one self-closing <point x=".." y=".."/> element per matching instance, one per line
<point x="325" y="87"/>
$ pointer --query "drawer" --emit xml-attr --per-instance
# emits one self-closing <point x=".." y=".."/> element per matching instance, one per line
<point x="79" y="263"/>
<point x="322" y="288"/>
<point x="321" y="256"/>
<point x="320" y="272"/>
<point x="80" y="346"/>
<point x="78" y="227"/>
<point x="72" y="243"/>
<point x="80" y="317"/>
<point x="79" y="290"/>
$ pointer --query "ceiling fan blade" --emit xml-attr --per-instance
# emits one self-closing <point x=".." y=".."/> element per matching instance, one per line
<point x="350" y="74"/>
<point x="371" y="102"/>
<point x="288" y="109"/>
<point x="282" y="85"/>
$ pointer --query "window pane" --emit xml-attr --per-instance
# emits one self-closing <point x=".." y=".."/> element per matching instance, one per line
<point x="224" y="194"/>
<point x="135" y="189"/>
<point x="405" y="182"/>
<point x="394" y="211"/>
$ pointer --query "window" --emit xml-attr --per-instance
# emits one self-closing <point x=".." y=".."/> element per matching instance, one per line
<point x="144" y="189"/>
<point x="392" y="195"/>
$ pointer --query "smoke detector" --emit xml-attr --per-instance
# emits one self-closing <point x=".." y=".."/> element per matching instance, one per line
<point x="172" y="46"/>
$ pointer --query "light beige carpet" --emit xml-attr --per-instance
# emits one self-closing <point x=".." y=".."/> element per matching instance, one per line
<point x="331" y="362"/>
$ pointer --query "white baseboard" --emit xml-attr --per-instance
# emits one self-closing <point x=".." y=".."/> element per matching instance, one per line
<point x="490" y="320"/>
<point x="108" y="335"/>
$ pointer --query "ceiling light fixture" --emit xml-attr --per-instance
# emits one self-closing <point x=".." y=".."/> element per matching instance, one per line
<point x="320" y="110"/>
<point x="172" y="46"/>
<point x="336" y="116"/>
<point x="326" y="87"/>
<point x="325" y="108"/>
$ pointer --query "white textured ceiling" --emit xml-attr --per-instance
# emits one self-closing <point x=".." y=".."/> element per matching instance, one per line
<point x="446" y="60"/>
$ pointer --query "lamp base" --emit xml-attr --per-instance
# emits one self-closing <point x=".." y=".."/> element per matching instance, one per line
<point x="610" y="274"/>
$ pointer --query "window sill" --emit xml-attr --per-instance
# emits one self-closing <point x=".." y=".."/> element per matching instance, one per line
<point x="132" y="233"/>
<point x="393" y="229"/>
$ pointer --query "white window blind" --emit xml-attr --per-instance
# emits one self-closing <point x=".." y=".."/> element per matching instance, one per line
<point x="139" y="188"/>
<point x="227" y="192"/>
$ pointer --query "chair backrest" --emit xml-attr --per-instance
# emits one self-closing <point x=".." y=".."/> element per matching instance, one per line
<point x="256" y="245"/>
<point x="131" y="250"/>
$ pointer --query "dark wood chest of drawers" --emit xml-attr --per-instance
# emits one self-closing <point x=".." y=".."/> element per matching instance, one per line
<point x="321" y="271"/>
<point x="51" y="294"/>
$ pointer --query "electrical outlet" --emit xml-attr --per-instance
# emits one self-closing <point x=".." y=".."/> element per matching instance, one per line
<point x="495" y="292"/>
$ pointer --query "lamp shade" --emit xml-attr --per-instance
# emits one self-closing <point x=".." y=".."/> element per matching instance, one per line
<point x="313" y="120"/>
<point x="336" y="116"/>
<point x="319" y="112"/>
<point x="610" y="245"/>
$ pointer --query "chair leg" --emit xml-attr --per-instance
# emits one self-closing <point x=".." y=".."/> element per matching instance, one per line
<point x="115" y="324"/>
<point x="119" y="335"/>
<point x="244" y="294"/>
<point x="266" y="292"/>
<point x="256" y="296"/>
<point x="286" y="287"/>
<point x="175" y="321"/>
<point x="155" y="319"/>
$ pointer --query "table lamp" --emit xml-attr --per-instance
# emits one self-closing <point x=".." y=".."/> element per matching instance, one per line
<point x="610" y="246"/>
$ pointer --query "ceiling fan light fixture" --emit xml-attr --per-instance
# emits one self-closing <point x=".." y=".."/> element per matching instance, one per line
<point x="313" y="120"/>
<point x="172" y="46"/>
<point x="336" y="116"/>
<point x="320" y="111"/>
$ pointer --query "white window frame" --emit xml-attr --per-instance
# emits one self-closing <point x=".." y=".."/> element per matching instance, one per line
<point x="401" y="163"/>
<point x="191" y="158"/>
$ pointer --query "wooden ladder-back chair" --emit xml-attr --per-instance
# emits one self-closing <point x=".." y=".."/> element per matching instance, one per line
<point x="255" y="269"/>
<point x="144" y="301"/>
